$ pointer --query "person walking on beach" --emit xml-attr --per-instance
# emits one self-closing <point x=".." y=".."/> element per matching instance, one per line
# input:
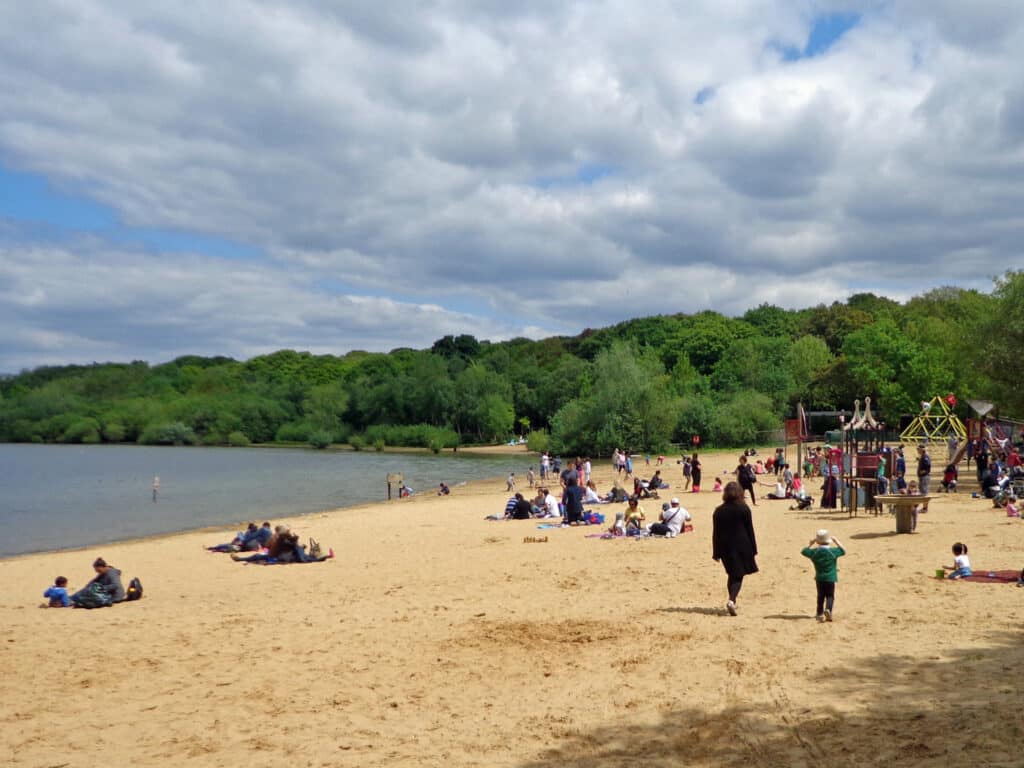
<point x="746" y="477"/>
<point x="824" y="550"/>
<point x="733" y="541"/>
<point x="510" y="483"/>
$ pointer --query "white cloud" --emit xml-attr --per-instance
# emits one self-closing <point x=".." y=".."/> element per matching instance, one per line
<point x="437" y="157"/>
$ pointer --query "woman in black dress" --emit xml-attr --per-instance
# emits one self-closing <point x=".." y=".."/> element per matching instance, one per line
<point x="734" y="542"/>
<point x="695" y="473"/>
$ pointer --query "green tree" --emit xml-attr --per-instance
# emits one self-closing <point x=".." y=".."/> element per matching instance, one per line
<point x="324" y="407"/>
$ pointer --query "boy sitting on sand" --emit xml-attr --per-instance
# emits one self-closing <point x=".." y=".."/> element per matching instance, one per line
<point x="58" y="594"/>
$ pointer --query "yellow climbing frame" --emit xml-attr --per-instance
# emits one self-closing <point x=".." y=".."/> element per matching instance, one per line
<point x="934" y="424"/>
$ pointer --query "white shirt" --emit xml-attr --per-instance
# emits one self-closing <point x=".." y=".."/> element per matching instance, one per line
<point x="674" y="518"/>
<point x="961" y="561"/>
<point x="551" y="504"/>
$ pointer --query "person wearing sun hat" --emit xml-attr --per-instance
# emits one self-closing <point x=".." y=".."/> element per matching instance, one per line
<point x="824" y="550"/>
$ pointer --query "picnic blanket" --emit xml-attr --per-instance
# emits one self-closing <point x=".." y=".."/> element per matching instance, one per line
<point x="993" y="577"/>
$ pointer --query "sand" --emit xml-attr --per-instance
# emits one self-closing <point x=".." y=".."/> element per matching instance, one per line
<point x="437" y="638"/>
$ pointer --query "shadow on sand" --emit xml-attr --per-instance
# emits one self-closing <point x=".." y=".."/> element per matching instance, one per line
<point x="962" y="708"/>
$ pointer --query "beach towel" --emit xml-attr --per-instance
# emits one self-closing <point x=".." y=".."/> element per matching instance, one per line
<point x="993" y="577"/>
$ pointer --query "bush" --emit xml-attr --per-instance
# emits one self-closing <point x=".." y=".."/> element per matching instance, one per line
<point x="358" y="442"/>
<point x="211" y="439"/>
<point x="293" y="432"/>
<point x="86" y="430"/>
<point x="412" y="435"/>
<point x="113" y="432"/>
<point x="538" y="440"/>
<point x="378" y="445"/>
<point x="320" y="438"/>
<point x="435" y="445"/>
<point x="174" y="433"/>
<point x="238" y="439"/>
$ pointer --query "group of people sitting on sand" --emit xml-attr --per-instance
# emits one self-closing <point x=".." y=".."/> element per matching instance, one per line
<point x="632" y="521"/>
<point x="103" y="590"/>
<point x="271" y="546"/>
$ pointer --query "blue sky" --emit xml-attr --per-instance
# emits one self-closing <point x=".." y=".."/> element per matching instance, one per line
<point x="332" y="177"/>
<point x="31" y="198"/>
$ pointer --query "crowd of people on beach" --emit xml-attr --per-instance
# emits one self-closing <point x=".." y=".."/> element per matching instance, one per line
<point x="734" y="542"/>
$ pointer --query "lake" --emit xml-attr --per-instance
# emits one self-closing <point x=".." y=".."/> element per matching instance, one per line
<point x="64" y="496"/>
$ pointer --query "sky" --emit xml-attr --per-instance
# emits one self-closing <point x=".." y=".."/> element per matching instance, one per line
<point x="249" y="175"/>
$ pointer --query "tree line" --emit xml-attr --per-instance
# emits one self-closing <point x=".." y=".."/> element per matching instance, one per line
<point x="641" y="384"/>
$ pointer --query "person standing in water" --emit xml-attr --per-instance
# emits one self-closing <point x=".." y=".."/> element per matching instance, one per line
<point x="156" y="486"/>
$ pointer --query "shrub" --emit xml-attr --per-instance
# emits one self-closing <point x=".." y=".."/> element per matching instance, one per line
<point x="85" y="430"/>
<point x="358" y="442"/>
<point x="320" y="438"/>
<point x="538" y="440"/>
<point x="412" y="435"/>
<point x="378" y="445"/>
<point x="435" y="445"/>
<point x="293" y="432"/>
<point x="113" y="432"/>
<point x="174" y="433"/>
<point x="238" y="439"/>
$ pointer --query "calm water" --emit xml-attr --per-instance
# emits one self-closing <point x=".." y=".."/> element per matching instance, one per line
<point x="61" y="496"/>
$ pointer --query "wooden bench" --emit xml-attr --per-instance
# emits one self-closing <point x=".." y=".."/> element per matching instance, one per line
<point x="904" y="505"/>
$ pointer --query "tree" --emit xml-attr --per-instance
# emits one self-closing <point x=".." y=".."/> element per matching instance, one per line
<point x="324" y="406"/>
<point x="628" y="406"/>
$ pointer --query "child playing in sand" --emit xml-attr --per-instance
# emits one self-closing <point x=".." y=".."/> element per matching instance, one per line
<point x="961" y="563"/>
<point x="510" y="483"/>
<point x="823" y="550"/>
<point x="949" y="478"/>
<point x="619" y="526"/>
<point x="530" y="477"/>
<point x="58" y="593"/>
<point x="718" y="485"/>
<point x="634" y="514"/>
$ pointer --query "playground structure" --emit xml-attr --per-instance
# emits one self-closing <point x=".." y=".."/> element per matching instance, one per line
<point x="997" y="432"/>
<point x="863" y="453"/>
<point x="796" y="431"/>
<point x="936" y="423"/>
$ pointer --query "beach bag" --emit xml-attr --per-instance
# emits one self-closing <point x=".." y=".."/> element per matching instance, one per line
<point x="93" y="596"/>
<point x="134" y="591"/>
<point x="314" y="549"/>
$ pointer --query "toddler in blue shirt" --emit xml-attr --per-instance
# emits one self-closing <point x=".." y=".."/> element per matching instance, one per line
<point x="58" y="593"/>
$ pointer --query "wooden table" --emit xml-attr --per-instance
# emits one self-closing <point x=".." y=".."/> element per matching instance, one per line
<point x="904" y="506"/>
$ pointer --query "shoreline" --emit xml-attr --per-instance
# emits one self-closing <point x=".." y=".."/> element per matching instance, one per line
<point x="234" y="526"/>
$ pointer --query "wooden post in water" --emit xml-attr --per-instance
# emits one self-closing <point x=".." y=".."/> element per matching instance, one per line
<point x="399" y="479"/>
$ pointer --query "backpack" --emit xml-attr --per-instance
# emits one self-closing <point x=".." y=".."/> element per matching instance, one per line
<point x="93" y="596"/>
<point x="134" y="591"/>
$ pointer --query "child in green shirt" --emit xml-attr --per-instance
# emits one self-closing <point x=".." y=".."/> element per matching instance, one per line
<point x="823" y="550"/>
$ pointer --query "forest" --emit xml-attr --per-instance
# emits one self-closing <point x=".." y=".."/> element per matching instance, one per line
<point x="641" y="384"/>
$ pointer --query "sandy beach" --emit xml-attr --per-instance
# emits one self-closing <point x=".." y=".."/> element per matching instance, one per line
<point x="438" y="638"/>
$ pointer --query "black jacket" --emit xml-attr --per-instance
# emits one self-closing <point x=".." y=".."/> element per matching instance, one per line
<point x="733" y="538"/>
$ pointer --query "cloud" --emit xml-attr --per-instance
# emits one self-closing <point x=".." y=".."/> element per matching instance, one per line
<point x="391" y="166"/>
<point x="87" y="303"/>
